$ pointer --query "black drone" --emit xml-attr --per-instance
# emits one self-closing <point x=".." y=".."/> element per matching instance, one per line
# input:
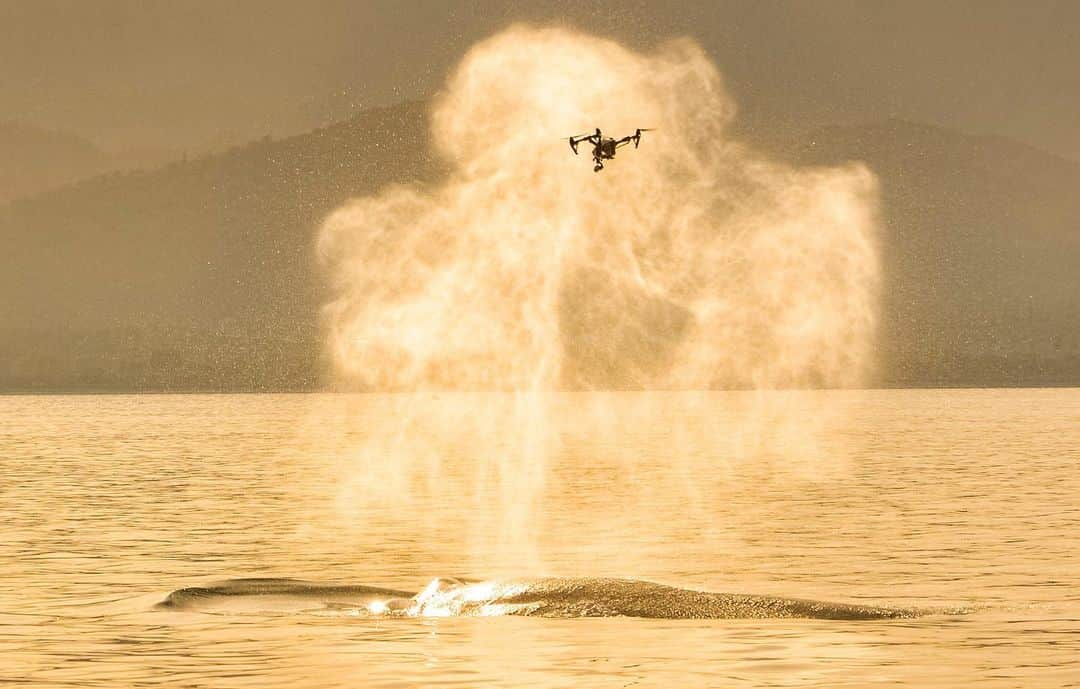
<point x="604" y="149"/>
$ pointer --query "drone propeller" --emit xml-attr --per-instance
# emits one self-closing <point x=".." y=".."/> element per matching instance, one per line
<point x="573" y="144"/>
<point x="637" y="135"/>
<point x="575" y="140"/>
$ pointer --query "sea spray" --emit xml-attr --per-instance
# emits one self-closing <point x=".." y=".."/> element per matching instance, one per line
<point x="690" y="263"/>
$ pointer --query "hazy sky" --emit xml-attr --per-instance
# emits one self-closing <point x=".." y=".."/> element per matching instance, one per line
<point x="192" y="73"/>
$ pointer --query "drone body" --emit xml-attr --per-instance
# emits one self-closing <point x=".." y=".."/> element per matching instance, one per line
<point x="604" y="148"/>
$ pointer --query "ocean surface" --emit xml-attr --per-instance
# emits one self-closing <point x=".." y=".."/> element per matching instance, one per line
<point x="292" y="540"/>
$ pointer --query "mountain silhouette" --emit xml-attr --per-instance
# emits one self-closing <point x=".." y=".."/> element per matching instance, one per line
<point x="34" y="159"/>
<point x="981" y="249"/>
<point x="200" y="275"/>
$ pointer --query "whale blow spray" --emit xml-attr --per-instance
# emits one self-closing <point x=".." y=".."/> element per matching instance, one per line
<point x="694" y="263"/>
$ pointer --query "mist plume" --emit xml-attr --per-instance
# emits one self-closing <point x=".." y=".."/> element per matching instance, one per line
<point x="688" y="263"/>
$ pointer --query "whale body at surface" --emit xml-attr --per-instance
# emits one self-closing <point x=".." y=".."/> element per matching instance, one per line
<point x="277" y="595"/>
<point x="541" y="597"/>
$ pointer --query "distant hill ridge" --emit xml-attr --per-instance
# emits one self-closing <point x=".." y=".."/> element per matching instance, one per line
<point x="33" y="159"/>
<point x="200" y="276"/>
<point x="195" y="276"/>
<point x="981" y="252"/>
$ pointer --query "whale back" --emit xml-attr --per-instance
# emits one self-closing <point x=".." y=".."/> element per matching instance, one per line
<point x="542" y="597"/>
<point x="276" y="595"/>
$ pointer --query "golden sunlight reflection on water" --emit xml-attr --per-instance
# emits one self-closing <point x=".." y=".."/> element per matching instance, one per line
<point x="920" y="498"/>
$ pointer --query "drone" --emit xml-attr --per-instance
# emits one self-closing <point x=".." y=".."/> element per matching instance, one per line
<point x="604" y="149"/>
